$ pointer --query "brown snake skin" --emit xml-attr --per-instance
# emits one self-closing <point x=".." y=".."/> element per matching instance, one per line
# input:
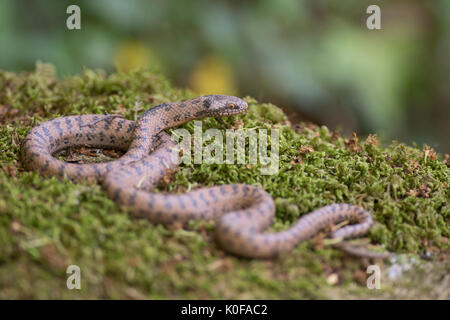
<point x="242" y="212"/>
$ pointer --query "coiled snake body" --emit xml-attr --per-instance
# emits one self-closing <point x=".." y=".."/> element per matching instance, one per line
<point x="242" y="212"/>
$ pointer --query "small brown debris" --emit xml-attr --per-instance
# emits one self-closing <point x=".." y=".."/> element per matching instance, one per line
<point x="360" y="276"/>
<point x="447" y="159"/>
<point x="3" y="110"/>
<point x="15" y="226"/>
<point x="169" y="176"/>
<point x="300" y="127"/>
<point x="428" y="153"/>
<point x="238" y="124"/>
<point x="413" y="165"/>
<point x="134" y="262"/>
<point x="311" y="125"/>
<point x="305" y="149"/>
<point x="174" y="226"/>
<point x="302" y="151"/>
<point x="369" y="159"/>
<point x="423" y="192"/>
<point x="13" y="112"/>
<point x="286" y="123"/>
<point x="333" y="279"/>
<point x="14" y="138"/>
<point x="318" y="241"/>
<point x="53" y="257"/>
<point x="178" y="257"/>
<point x="120" y="109"/>
<point x="372" y="140"/>
<point x="112" y="153"/>
<point x="150" y="98"/>
<point x="8" y="114"/>
<point x="297" y="127"/>
<point x="296" y="160"/>
<point x="134" y="294"/>
<point x="88" y="155"/>
<point x="10" y="170"/>
<point x="412" y="193"/>
<point x="221" y="265"/>
<point x="169" y="265"/>
<point x="352" y="144"/>
<point x="335" y="135"/>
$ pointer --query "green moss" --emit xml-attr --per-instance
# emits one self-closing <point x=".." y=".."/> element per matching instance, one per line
<point x="46" y="224"/>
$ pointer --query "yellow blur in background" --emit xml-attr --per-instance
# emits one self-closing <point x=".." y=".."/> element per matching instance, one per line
<point x="133" y="55"/>
<point x="213" y="75"/>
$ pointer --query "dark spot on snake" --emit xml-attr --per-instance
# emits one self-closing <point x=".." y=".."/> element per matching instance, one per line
<point x="206" y="103"/>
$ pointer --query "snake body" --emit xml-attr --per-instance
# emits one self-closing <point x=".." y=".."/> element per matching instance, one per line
<point x="242" y="212"/>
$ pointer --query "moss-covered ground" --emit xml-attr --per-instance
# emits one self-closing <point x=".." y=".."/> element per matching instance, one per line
<point x="46" y="224"/>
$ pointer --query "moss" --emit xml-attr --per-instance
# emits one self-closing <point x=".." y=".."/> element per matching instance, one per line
<point x="46" y="224"/>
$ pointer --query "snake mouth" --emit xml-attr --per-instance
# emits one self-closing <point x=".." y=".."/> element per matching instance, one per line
<point x="227" y="113"/>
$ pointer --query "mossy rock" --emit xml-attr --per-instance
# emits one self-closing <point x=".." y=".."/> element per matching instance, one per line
<point x="46" y="224"/>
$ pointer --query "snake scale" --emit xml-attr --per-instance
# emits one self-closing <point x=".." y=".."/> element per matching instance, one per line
<point x="242" y="212"/>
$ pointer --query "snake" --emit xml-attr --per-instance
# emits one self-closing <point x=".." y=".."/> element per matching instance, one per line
<point x="242" y="213"/>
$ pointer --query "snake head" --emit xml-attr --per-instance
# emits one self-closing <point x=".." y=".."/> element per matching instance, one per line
<point x="222" y="106"/>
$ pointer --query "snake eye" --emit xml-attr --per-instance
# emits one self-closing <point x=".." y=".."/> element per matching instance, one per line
<point x="232" y="106"/>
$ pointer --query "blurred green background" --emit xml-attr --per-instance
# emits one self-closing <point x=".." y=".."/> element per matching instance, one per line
<point x="315" y="59"/>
